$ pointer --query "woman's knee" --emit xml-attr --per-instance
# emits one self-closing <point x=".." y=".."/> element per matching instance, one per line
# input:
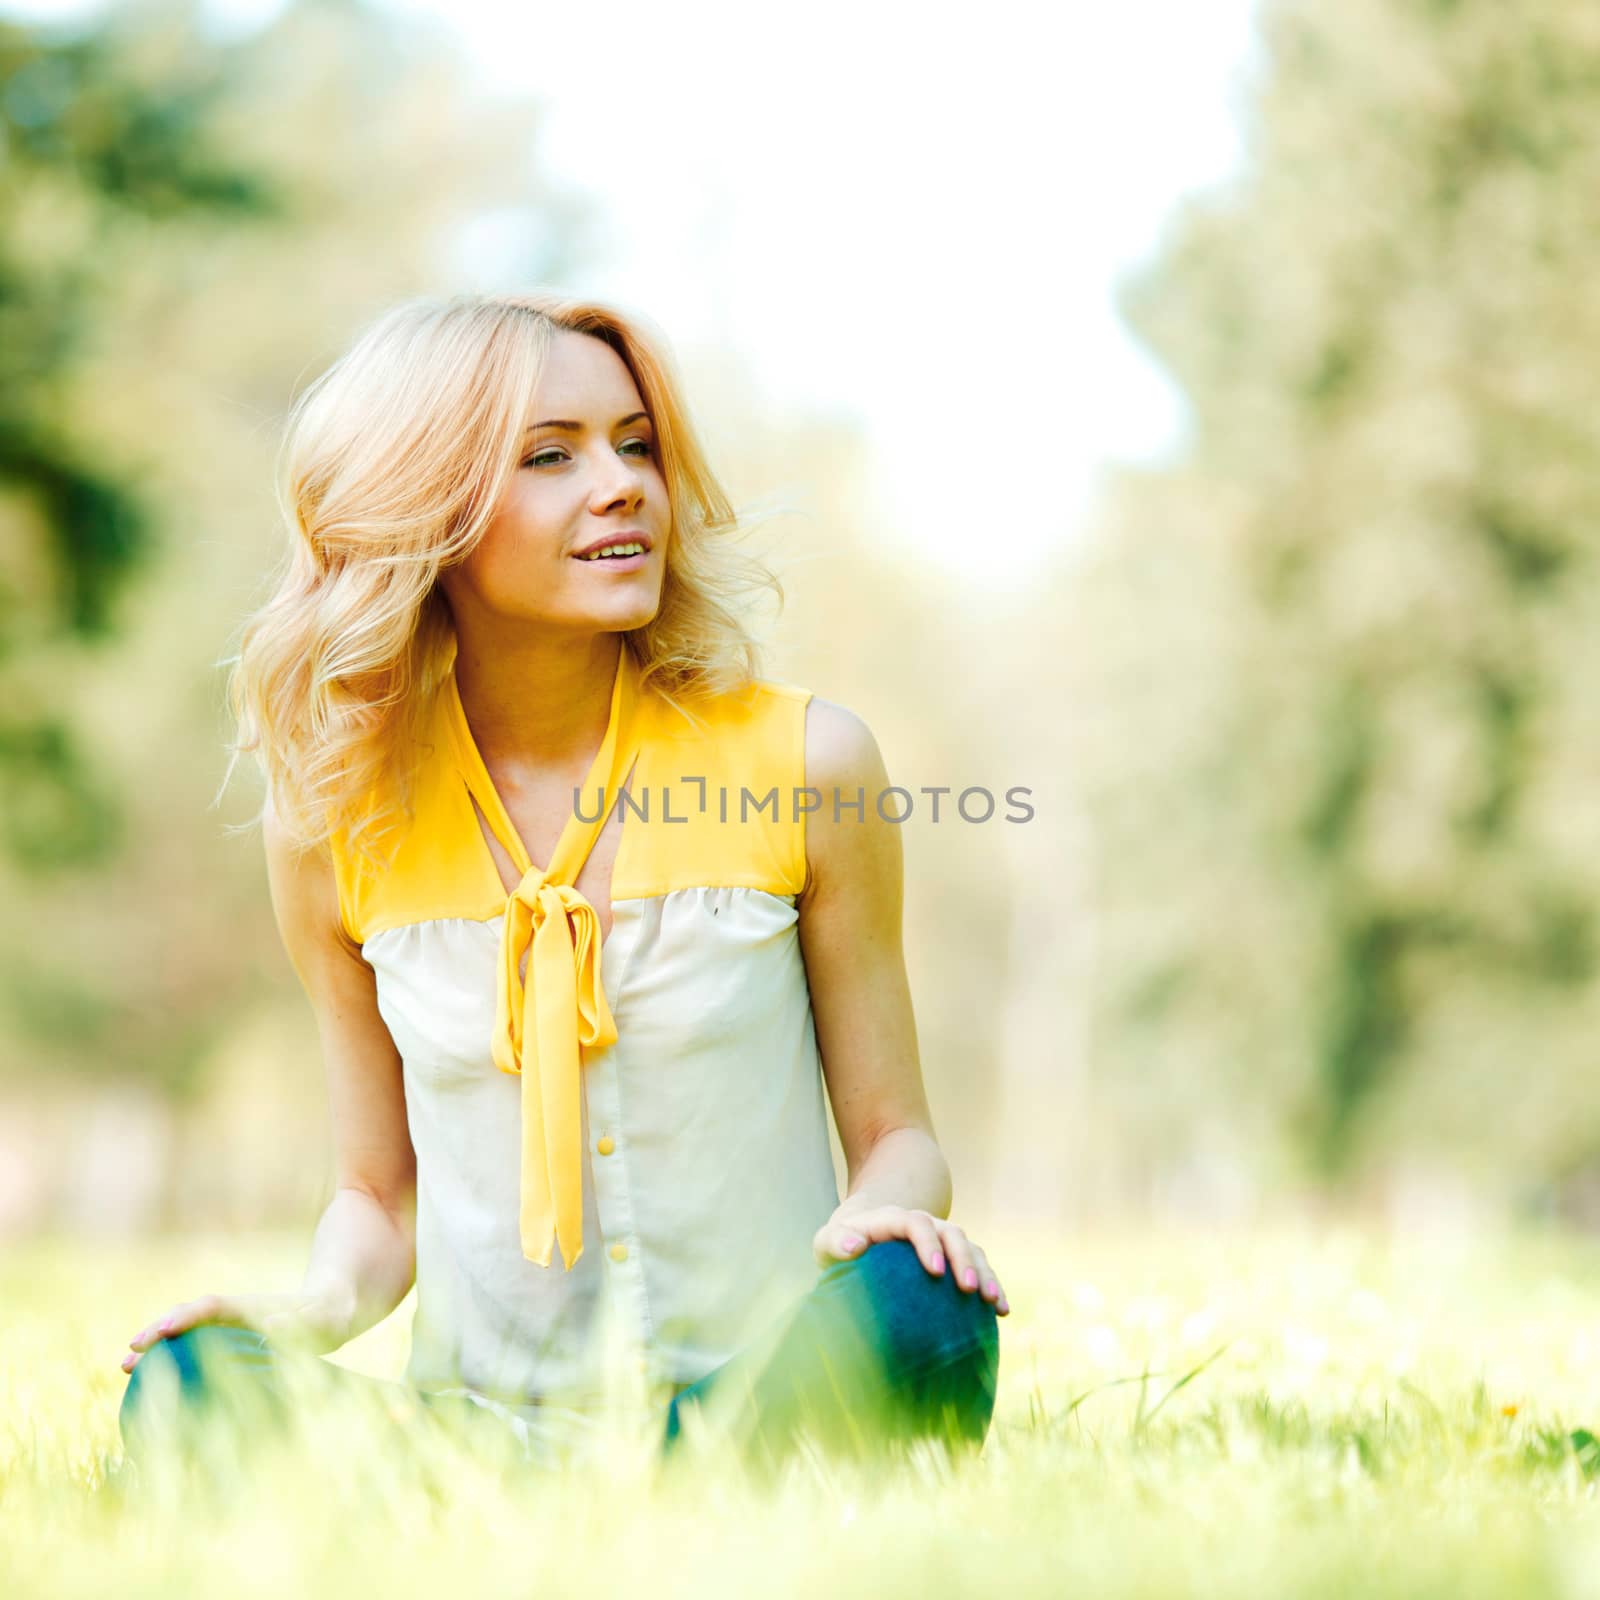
<point x="931" y="1319"/>
<point x="197" y="1356"/>
<point x="938" y="1343"/>
<point x="189" y="1372"/>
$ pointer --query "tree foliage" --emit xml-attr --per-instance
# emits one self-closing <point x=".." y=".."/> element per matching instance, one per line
<point x="99" y="148"/>
<point x="1333" y="711"/>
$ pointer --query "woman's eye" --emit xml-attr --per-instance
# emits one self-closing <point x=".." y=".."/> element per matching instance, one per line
<point x="645" y="449"/>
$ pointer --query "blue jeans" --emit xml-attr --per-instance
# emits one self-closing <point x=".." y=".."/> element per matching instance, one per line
<point x="878" y="1353"/>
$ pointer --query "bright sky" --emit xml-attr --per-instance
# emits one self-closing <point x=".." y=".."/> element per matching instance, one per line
<point x="914" y="214"/>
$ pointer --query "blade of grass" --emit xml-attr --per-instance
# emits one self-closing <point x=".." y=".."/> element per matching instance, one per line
<point x="1188" y="1377"/>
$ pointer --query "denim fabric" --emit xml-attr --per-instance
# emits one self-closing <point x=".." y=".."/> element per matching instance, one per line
<point x="880" y="1351"/>
<point x="216" y="1374"/>
<point x="877" y="1353"/>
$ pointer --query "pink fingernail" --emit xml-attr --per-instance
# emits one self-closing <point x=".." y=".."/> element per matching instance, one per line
<point x="850" y="1244"/>
<point x="938" y="1262"/>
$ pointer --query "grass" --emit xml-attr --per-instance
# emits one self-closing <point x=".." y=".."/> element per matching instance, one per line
<point x="1291" y="1412"/>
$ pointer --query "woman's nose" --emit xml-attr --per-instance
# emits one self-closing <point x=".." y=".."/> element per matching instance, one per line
<point x="624" y="486"/>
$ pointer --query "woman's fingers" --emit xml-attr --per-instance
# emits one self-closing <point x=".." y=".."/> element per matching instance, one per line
<point x="971" y="1267"/>
<point x="959" y="1248"/>
<point x="140" y="1342"/>
<point x="836" y="1241"/>
<point x="885" y="1222"/>
<point x="933" y="1238"/>
<point x="983" y="1280"/>
<point x="149" y="1334"/>
<point x="176" y="1320"/>
<point x="988" y="1284"/>
<point x="924" y="1235"/>
<point x="190" y="1313"/>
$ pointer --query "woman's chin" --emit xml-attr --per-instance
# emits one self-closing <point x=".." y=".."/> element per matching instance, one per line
<point x="626" y="607"/>
<point x="627" y="613"/>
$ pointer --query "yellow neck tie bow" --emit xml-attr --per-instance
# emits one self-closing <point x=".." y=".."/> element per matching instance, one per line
<point x="543" y="1022"/>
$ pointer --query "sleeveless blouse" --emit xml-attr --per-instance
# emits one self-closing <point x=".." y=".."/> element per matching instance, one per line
<point x="643" y="1200"/>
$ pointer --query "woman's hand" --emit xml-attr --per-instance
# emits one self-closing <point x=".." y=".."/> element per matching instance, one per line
<point x="314" y="1323"/>
<point x="848" y="1233"/>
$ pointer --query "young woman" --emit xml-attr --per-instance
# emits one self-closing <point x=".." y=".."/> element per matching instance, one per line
<point x="588" y="912"/>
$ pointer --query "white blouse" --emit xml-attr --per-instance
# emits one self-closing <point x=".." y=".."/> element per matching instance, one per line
<point x="705" y="1163"/>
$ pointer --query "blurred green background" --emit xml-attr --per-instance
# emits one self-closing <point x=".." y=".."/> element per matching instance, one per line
<point x="1305" y="916"/>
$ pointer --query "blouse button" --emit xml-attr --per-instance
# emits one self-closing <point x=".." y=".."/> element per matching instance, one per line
<point x="605" y="1147"/>
<point x="619" y="1251"/>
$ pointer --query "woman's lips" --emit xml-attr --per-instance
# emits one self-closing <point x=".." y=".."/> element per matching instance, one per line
<point x="614" y="563"/>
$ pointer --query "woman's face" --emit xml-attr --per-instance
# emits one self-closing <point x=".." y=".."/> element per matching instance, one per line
<point x="589" y="477"/>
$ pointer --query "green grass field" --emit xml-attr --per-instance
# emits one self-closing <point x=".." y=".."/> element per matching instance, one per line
<point x="1298" y="1413"/>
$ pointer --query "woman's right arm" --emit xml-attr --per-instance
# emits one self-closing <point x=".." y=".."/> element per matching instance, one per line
<point x="363" y="1254"/>
<point x="365" y="1244"/>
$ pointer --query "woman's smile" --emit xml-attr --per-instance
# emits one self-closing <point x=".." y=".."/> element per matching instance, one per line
<point x="618" y="552"/>
<point x="615" y="563"/>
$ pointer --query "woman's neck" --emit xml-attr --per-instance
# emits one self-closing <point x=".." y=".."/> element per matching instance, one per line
<point x="539" y="703"/>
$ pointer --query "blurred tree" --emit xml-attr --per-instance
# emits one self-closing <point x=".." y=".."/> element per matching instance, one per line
<point x="95" y="152"/>
<point x="897" y="641"/>
<point x="1332" y="711"/>
<point x="192" y="227"/>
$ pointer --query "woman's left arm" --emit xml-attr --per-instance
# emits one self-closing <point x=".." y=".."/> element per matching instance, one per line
<point x="850" y="935"/>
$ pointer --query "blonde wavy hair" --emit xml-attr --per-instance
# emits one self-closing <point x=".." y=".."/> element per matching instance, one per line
<point x="393" y="462"/>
